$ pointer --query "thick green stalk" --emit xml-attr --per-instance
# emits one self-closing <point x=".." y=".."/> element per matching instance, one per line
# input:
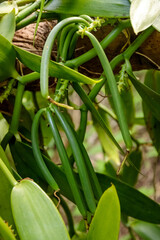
<point x="26" y="12"/>
<point x="61" y="91"/>
<point x="28" y="77"/>
<point x="16" y="115"/>
<point x="23" y="2"/>
<point x="33" y="18"/>
<point x="138" y="42"/>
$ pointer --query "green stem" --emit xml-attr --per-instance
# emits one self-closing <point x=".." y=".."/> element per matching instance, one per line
<point x="23" y="2"/>
<point x="33" y="18"/>
<point x="26" y="21"/>
<point x="21" y="8"/>
<point x="61" y="91"/>
<point x="138" y="42"/>
<point x="28" y="78"/>
<point x="16" y="115"/>
<point x="7" y="173"/>
<point x="26" y="12"/>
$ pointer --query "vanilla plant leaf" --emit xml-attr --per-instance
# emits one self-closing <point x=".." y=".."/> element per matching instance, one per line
<point x="8" y="25"/>
<point x="33" y="61"/>
<point x="101" y="8"/>
<point x="109" y="209"/>
<point x="7" y="59"/>
<point x="149" y="96"/>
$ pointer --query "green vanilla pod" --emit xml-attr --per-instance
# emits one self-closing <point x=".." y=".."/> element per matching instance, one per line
<point x="113" y="89"/>
<point x="37" y="153"/>
<point x="79" y="159"/>
<point x="66" y="165"/>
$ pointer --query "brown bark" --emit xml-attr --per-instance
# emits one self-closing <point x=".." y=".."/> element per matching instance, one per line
<point x="147" y="56"/>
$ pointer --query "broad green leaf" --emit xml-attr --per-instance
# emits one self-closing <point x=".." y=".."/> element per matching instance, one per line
<point x="5" y="192"/>
<point x="35" y="215"/>
<point x="7" y="25"/>
<point x="7" y="7"/>
<point x="152" y="123"/>
<point x="106" y="221"/>
<point x="5" y="231"/>
<point x="150" y="97"/>
<point x="33" y="62"/>
<point x="133" y="203"/>
<point x="146" y="231"/>
<point x="143" y="13"/>
<point x="7" y="60"/>
<point x="23" y="170"/>
<point x="131" y="168"/>
<point x="101" y="8"/>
